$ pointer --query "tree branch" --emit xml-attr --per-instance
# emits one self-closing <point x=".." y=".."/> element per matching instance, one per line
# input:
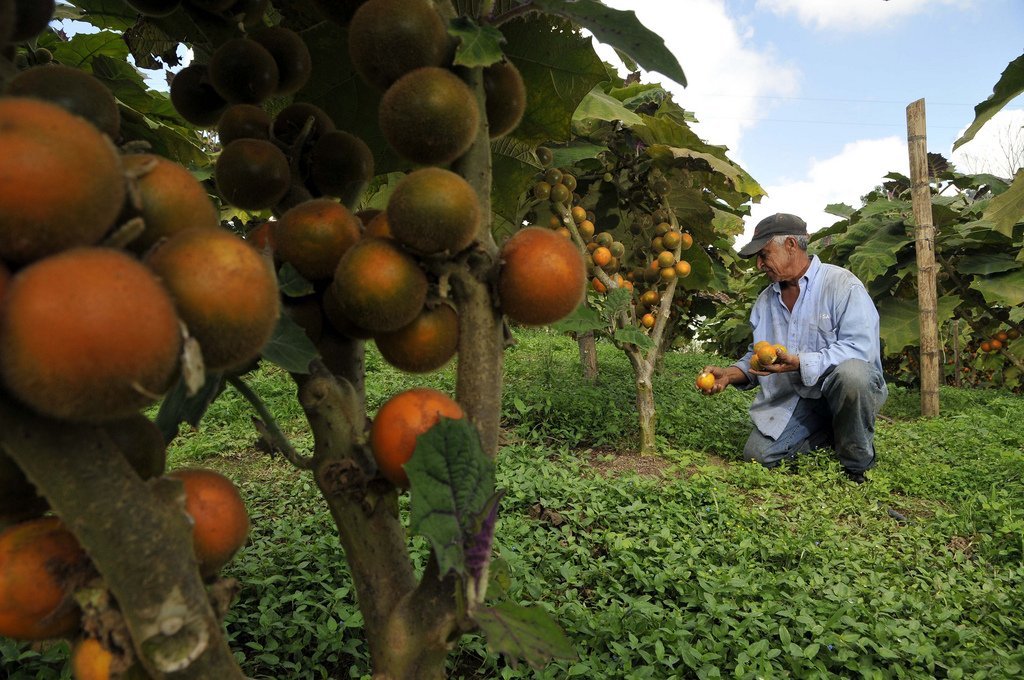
<point x="277" y="438"/>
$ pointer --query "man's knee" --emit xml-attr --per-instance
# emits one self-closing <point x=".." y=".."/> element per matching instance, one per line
<point x="853" y="375"/>
<point x="761" y="449"/>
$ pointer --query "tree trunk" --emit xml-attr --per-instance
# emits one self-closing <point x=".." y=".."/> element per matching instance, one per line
<point x="137" y="536"/>
<point x="588" y="355"/>
<point x="646" y="413"/>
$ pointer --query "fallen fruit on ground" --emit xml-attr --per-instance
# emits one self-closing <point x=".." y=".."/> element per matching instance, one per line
<point x="400" y="421"/>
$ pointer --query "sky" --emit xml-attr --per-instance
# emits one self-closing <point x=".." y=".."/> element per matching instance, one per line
<point x="810" y="96"/>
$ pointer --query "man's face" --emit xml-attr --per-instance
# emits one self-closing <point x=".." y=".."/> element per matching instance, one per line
<point x="780" y="262"/>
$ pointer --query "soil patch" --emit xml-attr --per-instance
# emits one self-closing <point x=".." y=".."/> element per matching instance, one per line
<point x="613" y="463"/>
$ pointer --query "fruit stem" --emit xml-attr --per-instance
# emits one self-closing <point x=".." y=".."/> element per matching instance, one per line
<point x="270" y="429"/>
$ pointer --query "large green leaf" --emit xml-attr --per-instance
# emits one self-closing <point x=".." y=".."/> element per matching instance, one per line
<point x="1010" y="84"/>
<point x="622" y="30"/>
<point x="1004" y="289"/>
<point x="874" y="257"/>
<point x="899" y="320"/>
<point x="987" y="263"/>
<point x="115" y="15"/>
<point x="1007" y="209"/>
<point x="581" y="320"/>
<point x="527" y="633"/>
<point x="559" y="68"/>
<point x="600" y="106"/>
<point x="513" y="167"/>
<point x="452" y="482"/>
<point x="80" y="51"/>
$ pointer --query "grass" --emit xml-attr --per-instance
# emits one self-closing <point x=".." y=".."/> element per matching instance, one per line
<point x="696" y="565"/>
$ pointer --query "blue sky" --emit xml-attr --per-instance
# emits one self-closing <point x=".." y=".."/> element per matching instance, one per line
<point x="811" y="95"/>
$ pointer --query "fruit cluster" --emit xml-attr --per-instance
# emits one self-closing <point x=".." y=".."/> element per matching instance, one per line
<point x="998" y="341"/>
<point x="765" y="354"/>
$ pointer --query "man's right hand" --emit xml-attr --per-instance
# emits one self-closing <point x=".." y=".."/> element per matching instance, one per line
<point x="721" y="379"/>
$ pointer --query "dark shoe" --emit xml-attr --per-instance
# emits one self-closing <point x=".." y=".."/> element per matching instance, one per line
<point x="855" y="477"/>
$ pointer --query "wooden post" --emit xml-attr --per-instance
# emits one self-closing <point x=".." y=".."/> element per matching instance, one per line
<point x="920" y="182"/>
<point x="956" y="353"/>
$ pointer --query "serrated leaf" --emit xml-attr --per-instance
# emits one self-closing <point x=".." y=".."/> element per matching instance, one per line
<point x="600" y="106"/>
<point x="478" y="45"/>
<point x="527" y="633"/>
<point x="559" y="69"/>
<point x="177" y="407"/>
<point x="618" y="300"/>
<point x="80" y="51"/>
<point x="452" y="481"/>
<point x="633" y="336"/>
<point x="513" y="166"/>
<point x="581" y="320"/>
<point x="1009" y="85"/>
<point x="115" y="15"/>
<point x="289" y="347"/>
<point x="1007" y="209"/>
<point x="292" y="283"/>
<point x="622" y="30"/>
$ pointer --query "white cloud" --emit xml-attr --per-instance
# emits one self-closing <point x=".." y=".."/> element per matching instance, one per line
<point x="843" y="178"/>
<point x="998" y="148"/>
<point x="851" y="15"/>
<point x="726" y="76"/>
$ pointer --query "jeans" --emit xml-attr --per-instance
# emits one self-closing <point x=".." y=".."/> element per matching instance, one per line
<point x="842" y="419"/>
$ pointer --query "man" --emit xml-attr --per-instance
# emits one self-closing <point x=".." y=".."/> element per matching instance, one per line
<point x="826" y="389"/>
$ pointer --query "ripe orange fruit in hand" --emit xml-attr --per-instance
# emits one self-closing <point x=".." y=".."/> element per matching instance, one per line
<point x="400" y="421"/>
<point x="542" y="277"/>
<point x="705" y="381"/>
<point x="220" y="522"/>
<point x="766" y="356"/>
<point x="88" y="335"/>
<point x="35" y="556"/>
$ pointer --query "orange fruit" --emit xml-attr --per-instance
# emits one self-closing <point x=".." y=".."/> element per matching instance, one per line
<point x="705" y="381"/>
<point x="426" y="344"/>
<point x="766" y="356"/>
<point x="596" y="284"/>
<point x="542" y="277"/>
<point x="388" y="38"/>
<point x="579" y="214"/>
<point x="1002" y="336"/>
<point x="985" y="346"/>
<point x="586" y="229"/>
<point x="378" y="286"/>
<point x="668" y="273"/>
<point x="220" y="522"/>
<point x="378" y="226"/>
<point x="650" y="298"/>
<point x="398" y="424"/>
<point x="683" y="269"/>
<point x="90" y="660"/>
<point x="224" y="290"/>
<point x="88" y="334"/>
<point x="648" y="320"/>
<point x="995" y="344"/>
<point x="601" y="256"/>
<point x="61" y="180"/>
<point x="35" y="558"/>
<point x="314" y="235"/>
<point x="433" y="210"/>
<point x="666" y="259"/>
<point x="686" y="240"/>
<point x="172" y="200"/>
<point x="671" y="239"/>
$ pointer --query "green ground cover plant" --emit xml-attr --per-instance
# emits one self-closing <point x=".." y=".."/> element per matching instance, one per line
<point x="686" y="564"/>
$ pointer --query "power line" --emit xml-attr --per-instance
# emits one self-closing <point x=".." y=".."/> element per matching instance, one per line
<point x="704" y="117"/>
<point x="829" y="99"/>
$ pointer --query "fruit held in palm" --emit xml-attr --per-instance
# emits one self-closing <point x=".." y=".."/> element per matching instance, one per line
<point x="400" y="421"/>
<point x="433" y="210"/>
<point x="314" y="235"/>
<point x="61" y="180"/>
<point x="426" y="344"/>
<point x="505" y="95"/>
<point x="220" y="520"/>
<point x="73" y="90"/>
<point x="242" y="71"/>
<point x="389" y="38"/>
<point x="429" y="116"/>
<point x="35" y="557"/>
<point x="252" y="174"/>
<point x="767" y="355"/>
<point x="88" y="334"/>
<point x="378" y="286"/>
<point x="171" y="198"/>
<point x="224" y="290"/>
<point x="705" y="381"/>
<point x="542" y="277"/>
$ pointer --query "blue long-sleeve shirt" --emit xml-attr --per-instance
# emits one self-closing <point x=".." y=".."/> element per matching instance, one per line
<point x="833" y="320"/>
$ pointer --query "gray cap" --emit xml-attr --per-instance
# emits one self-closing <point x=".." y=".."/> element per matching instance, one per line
<point x="779" y="224"/>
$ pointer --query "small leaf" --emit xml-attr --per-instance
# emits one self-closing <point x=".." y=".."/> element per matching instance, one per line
<point x="289" y="347"/>
<point x="452" y="482"/>
<point x="177" y="407"/>
<point x="478" y="45"/>
<point x="582" y="320"/>
<point x="292" y="283"/>
<point x="527" y="633"/>
<point x="633" y="336"/>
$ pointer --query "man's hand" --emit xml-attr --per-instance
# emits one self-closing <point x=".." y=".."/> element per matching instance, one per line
<point x="785" y="363"/>
<point x="723" y="377"/>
